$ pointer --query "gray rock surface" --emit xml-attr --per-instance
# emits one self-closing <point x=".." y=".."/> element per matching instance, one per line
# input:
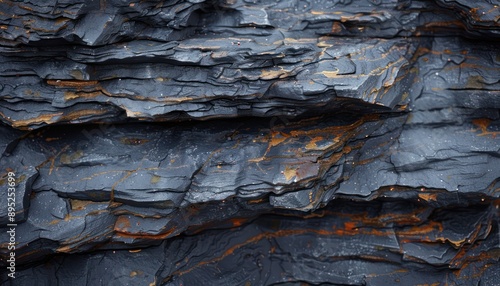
<point x="251" y="142"/>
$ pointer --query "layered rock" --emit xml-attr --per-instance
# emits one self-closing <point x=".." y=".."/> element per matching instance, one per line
<point x="255" y="143"/>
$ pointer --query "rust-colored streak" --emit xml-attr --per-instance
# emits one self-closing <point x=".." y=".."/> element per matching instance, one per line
<point x="349" y="225"/>
<point x="236" y="222"/>
<point x="483" y="124"/>
<point x="419" y="231"/>
<point x="69" y="95"/>
<point x="444" y="24"/>
<point x="333" y="136"/>
<point x="313" y="143"/>
<point x="277" y="138"/>
<point x="50" y="139"/>
<point x="428" y="197"/>
<point x="257" y="201"/>
<point x="282" y="233"/>
<point x="122" y="224"/>
<point x="54" y="117"/>
<point x="44" y="118"/>
<point x="133" y="141"/>
<point x="337" y="28"/>
<point x="289" y="173"/>
<point x="72" y="83"/>
<point x="79" y="204"/>
<point x="158" y="237"/>
<point x="81" y="113"/>
<point x="232" y="249"/>
<point x="433" y="284"/>
<point x="52" y="159"/>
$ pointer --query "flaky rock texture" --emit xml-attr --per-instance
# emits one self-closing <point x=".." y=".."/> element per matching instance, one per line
<point x="251" y="142"/>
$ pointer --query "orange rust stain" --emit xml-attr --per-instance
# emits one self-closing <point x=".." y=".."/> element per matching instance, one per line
<point x="337" y="130"/>
<point x="420" y="230"/>
<point x="289" y="173"/>
<point x="81" y="113"/>
<point x="352" y="228"/>
<point x="69" y="95"/>
<point x="493" y="255"/>
<point x="62" y="20"/>
<point x="79" y="204"/>
<point x="67" y="217"/>
<point x="277" y="138"/>
<point x="349" y="225"/>
<point x="147" y="236"/>
<point x="72" y="83"/>
<point x="382" y="221"/>
<point x="25" y="7"/>
<point x="441" y="24"/>
<point x="428" y="197"/>
<point x="273" y="249"/>
<point x="336" y="28"/>
<point x="482" y="124"/>
<point x="135" y="250"/>
<point x="122" y="224"/>
<point x="472" y="237"/>
<point x="312" y="144"/>
<point x="337" y="134"/>
<point x="50" y="118"/>
<point x="456" y="243"/>
<point x="238" y="221"/>
<point x="256" y="201"/>
<point x="64" y="249"/>
<point x="44" y="118"/>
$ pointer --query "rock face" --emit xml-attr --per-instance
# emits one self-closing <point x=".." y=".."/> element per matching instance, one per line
<point x="250" y="142"/>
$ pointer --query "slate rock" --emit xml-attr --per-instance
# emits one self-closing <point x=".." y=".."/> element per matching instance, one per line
<point x="345" y="243"/>
<point x="203" y="78"/>
<point x="251" y="143"/>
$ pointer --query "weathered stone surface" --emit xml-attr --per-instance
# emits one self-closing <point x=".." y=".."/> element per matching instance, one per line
<point x="205" y="59"/>
<point x="251" y="143"/>
<point x="348" y="242"/>
<point x="96" y="23"/>
<point x="216" y="77"/>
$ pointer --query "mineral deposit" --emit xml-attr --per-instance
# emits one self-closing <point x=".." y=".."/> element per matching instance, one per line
<point x="235" y="142"/>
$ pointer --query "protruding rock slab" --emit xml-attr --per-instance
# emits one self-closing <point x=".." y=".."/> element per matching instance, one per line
<point x="251" y="143"/>
<point x="270" y="75"/>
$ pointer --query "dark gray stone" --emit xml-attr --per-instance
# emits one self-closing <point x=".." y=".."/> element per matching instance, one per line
<point x="251" y="142"/>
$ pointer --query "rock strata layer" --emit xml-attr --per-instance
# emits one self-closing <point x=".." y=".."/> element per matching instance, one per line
<point x="251" y="142"/>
